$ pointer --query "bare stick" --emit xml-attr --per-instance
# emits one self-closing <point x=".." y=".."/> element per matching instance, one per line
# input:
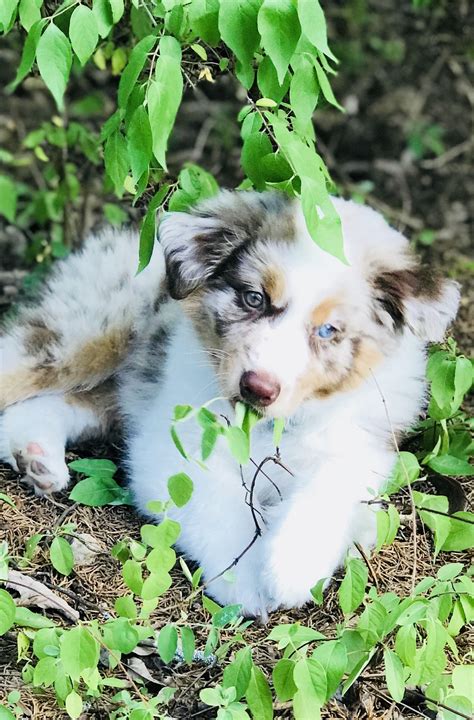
<point x="412" y="500"/>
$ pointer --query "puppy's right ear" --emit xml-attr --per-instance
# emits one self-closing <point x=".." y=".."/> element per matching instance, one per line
<point x="193" y="247"/>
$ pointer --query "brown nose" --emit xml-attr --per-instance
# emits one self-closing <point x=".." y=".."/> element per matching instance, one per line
<point x="259" y="388"/>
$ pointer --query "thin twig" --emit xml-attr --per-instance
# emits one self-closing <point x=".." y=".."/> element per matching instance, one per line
<point x="368" y="563"/>
<point x="234" y="562"/>
<point x="412" y="500"/>
<point x="445" y="514"/>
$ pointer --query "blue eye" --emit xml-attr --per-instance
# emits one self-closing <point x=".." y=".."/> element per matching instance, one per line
<point x="326" y="331"/>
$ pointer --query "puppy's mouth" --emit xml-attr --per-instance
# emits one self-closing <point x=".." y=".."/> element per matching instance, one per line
<point x="258" y="410"/>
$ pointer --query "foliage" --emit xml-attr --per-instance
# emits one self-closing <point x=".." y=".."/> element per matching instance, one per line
<point x="276" y="49"/>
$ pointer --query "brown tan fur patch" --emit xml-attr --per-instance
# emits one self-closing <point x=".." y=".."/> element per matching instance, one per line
<point x="39" y="337"/>
<point x="317" y="383"/>
<point x="274" y="285"/>
<point x="102" y="400"/>
<point x="322" y="311"/>
<point x="94" y="362"/>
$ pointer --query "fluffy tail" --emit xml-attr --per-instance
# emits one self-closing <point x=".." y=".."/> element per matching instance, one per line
<point x="77" y="333"/>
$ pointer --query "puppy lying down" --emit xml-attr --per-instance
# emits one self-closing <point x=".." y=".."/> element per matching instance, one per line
<point x="239" y="303"/>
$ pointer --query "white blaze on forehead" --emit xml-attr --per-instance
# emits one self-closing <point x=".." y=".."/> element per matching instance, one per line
<point x="281" y="347"/>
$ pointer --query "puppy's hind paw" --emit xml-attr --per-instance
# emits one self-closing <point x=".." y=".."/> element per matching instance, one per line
<point x="45" y="472"/>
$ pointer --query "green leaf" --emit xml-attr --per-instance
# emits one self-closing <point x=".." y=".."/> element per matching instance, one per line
<point x="60" y="554"/>
<point x="406" y="471"/>
<point x="441" y="370"/>
<point x="8" y="198"/>
<point x="30" y="13"/>
<point x="164" y="534"/>
<point x="304" y="91"/>
<point x="155" y="585"/>
<point x="258" y="696"/>
<point x="280" y="29"/>
<point x="203" y="18"/>
<point x="54" y="58"/>
<point x="414" y="612"/>
<point x="318" y="590"/>
<point x="463" y="378"/>
<point x="238" y="29"/>
<point x="98" y="491"/>
<point x="180" y="488"/>
<point x="45" y="672"/>
<point x="325" y="86"/>
<point x="164" y="96"/>
<point x="226" y="615"/>
<point x="188" y="644"/>
<point x="83" y="33"/>
<point x="117" y="7"/>
<point x="7" y="611"/>
<point x="78" y="651"/>
<point x="116" y="160"/>
<point x="161" y="558"/>
<point x="181" y="412"/>
<point x="120" y="635"/>
<point x="103" y="16"/>
<point x="310" y="678"/>
<point x="387" y="526"/>
<point x="268" y="82"/>
<point x="7" y="13"/>
<point x="237" y="674"/>
<point x="313" y="24"/>
<point x="125" y="607"/>
<point x="28" y="54"/>
<point x="24" y="617"/>
<point x="450" y="571"/>
<point x="394" y="675"/>
<point x="174" y="436"/>
<point x="451" y="466"/>
<point x="93" y="467"/>
<point x="147" y="241"/>
<point x="133" y="68"/>
<point x="132" y="575"/>
<point x="405" y="644"/>
<point x="7" y="499"/>
<point x="6" y="714"/>
<point x="278" y="428"/>
<point x="283" y="682"/>
<point x="461" y="534"/>
<point x="256" y="146"/>
<point x="139" y="143"/>
<point x="333" y="657"/>
<point x="352" y="589"/>
<point x="208" y="441"/>
<point x="167" y="643"/>
<point x="73" y="704"/>
<point x="438" y="524"/>
<point x="239" y="444"/>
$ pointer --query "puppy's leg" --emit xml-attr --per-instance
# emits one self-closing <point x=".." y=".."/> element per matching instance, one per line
<point x="34" y="433"/>
<point x="318" y="524"/>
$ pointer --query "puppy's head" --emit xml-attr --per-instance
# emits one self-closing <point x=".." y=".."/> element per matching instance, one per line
<point x="283" y="321"/>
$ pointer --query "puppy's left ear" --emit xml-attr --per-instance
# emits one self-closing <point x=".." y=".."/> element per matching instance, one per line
<point x="193" y="247"/>
<point x="419" y="297"/>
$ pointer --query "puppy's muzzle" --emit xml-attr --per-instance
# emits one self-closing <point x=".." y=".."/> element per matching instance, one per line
<point x="259" y="388"/>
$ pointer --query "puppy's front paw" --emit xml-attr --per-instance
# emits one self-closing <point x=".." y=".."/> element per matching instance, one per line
<point x="41" y="470"/>
<point x="244" y="587"/>
<point x="290" y="573"/>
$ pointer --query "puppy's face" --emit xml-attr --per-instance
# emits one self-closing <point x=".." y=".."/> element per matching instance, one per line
<point x="283" y="321"/>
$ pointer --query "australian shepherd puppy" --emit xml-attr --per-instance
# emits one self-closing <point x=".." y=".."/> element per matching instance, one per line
<point x="237" y="303"/>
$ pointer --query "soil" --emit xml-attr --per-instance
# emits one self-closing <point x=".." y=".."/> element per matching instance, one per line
<point x="405" y="79"/>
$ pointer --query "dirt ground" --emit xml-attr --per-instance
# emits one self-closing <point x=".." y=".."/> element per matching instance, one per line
<point x="405" y="81"/>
